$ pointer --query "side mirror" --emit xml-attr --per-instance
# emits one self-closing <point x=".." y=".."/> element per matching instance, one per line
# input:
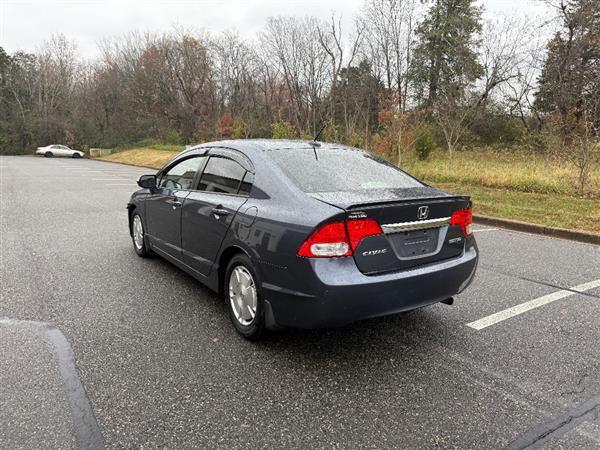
<point x="147" y="181"/>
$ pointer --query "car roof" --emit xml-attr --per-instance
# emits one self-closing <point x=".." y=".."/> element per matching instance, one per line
<point x="253" y="145"/>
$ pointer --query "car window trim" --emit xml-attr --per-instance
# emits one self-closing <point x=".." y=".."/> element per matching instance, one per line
<point x="210" y="156"/>
<point x="181" y="157"/>
<point x="237" y="193"/>
<point x="206" y="153"/>
<point x="235" y="155"/>
<point x="242" y="182"/>
<point x="201" y="165"/>
<point x="199" y="172"/>
<point x="222" y="193"/>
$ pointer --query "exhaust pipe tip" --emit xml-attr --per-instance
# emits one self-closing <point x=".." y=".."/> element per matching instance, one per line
<point x="448" y="301"/>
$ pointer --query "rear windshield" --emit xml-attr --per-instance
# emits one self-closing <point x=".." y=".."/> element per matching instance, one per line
<point x="335" y="170"/>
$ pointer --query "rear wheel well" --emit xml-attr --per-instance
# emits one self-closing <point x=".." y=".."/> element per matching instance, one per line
<point x="226" y="256"/>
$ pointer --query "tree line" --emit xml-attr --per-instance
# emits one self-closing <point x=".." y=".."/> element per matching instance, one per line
<point x="408" y="74"/>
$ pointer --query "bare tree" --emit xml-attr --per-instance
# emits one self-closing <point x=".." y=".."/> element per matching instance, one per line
<point x="190" y="69"/>
<point x="332" y="40"/>
<point x="56" y="72"/>
<point x="503" y="58"/>
<point x="302" y="62"/>
<point x="388" y="41"/>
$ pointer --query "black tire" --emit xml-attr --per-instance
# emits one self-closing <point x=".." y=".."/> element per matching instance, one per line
<point x="142" y="250"/>
<point x="48" y="155"/>
<point x="76" y="155"/>
<point x="256" y="328"/>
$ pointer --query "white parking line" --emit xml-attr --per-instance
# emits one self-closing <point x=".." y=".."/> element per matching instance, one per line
<point x="485" y="229"/>
<point x="120" y="173"/>
<point x="532" y="304"/>
<point x="121" y="184"/>
<point x="112" y="172"/>
<point x="107" y="179"/>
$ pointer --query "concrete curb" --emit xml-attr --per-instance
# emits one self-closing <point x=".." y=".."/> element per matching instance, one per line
<point x="573" y="235"/>
<point x="124" y="164"/>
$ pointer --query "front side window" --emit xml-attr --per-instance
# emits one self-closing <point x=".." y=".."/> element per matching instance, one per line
<point x="222" y="175"/>
<point x="181" y="175"/>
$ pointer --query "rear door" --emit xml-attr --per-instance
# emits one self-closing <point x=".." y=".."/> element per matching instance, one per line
<point x="209" y="210"/>
<point x="163" y="205"/>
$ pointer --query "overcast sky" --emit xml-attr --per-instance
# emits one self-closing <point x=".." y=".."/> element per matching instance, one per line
<point x="24" y="25"/>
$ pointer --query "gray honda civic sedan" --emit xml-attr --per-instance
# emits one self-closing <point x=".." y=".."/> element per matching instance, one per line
<point x="304" y="234"/>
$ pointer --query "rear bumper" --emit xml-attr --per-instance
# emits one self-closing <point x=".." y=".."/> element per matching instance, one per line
<point x="342" y="294"/>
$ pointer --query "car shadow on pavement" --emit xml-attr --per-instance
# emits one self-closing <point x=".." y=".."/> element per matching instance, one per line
<point x="354" y="344"/>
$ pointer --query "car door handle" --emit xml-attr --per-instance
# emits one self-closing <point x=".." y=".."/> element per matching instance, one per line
<point x="220" y="211"/>
<point x="174" y="202"/>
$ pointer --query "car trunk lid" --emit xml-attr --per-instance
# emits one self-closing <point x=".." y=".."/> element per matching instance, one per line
<point x="416" y="227"/>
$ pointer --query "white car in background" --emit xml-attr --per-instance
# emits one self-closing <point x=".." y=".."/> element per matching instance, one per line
<point x="58" y="150"/>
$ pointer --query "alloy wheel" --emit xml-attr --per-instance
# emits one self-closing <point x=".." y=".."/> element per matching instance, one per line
<point x="138" y="232"/>
<point x="242" y="295"/>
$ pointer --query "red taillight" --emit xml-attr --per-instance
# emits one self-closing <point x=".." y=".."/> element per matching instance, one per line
<point x="328" y="241"/>
<point x="338" y="238"/>
<point x="361" y="228"/>
<point x="462" y="218"/>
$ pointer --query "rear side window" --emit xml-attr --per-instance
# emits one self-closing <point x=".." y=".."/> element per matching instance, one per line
<point x="222" y="175"/>
<point x="247" y="183"/>
<point x="339" y="170"/>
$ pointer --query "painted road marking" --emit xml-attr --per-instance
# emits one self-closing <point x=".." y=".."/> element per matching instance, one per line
<point x="532" y="304"/>
<point x="121" y="184"/>
<point x="485" y="229"/>
<point x="84" y="426"/>
<point x="116" y="172"/>
<point x="122" y="173"/>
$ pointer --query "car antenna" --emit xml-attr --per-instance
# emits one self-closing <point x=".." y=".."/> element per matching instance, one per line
<point x="314" y="142"/>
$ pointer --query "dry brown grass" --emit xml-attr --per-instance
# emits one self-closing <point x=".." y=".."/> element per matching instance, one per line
<point x="515" y="185"/>
<point x="553" y="210"/>
<point x="510" y="170"/>
<point x="146" y="157"/>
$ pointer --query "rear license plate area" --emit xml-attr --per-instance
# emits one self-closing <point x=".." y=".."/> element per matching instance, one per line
<point x="417" y="243"/>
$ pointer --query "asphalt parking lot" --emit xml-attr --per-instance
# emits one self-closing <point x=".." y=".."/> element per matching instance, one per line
<point x="140" y="354"/>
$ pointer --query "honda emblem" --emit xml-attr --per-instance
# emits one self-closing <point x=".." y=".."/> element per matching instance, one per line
<point x="423" y="212"/>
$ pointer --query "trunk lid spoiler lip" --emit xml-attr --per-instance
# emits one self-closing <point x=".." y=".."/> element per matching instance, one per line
<point x="349" y="206"/>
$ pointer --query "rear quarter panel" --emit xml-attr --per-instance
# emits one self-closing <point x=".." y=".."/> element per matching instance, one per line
<point x="273" y="223"/>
